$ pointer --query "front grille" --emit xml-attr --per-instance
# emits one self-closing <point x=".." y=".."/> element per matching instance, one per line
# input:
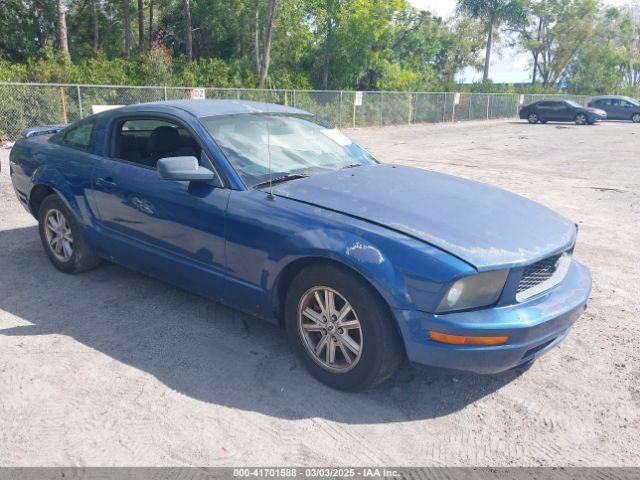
<point x="542" y="275"/>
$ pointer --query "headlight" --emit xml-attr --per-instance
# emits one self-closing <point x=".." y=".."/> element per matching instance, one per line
<point x="475" y="291"/>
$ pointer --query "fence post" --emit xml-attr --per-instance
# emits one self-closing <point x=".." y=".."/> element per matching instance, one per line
<point x="410" y="108"/>
<point x="80" y="102"/>
<point x="381" y="107"/>
<point x="354" y="111"/>
<point x="340" y="127"/>
<point x="238" y="94"/>
<point x="470" y="98"/>
<point x="488" y="100"/>
<point x="65" y="117"/>
<point x="165" y="94"/>
<point x="415" y="106"/>
<point x="444" y="105"/>
<point x="293" y="99"/>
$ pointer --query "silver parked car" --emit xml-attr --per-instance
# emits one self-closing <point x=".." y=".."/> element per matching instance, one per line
<point x="618" y="107"/>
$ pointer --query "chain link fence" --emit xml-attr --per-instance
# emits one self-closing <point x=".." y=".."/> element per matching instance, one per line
<point x="27" y="105"/>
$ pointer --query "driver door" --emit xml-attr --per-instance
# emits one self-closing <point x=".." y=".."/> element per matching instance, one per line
<point x="173" y="230"/>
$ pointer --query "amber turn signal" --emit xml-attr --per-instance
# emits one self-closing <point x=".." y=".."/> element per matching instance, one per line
<point x="465" y="340"/>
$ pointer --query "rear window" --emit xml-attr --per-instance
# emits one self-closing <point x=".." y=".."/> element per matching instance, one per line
<point x="80" y="136"/>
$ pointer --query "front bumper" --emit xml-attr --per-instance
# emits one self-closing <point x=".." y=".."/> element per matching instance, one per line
<point x="533" y="327"/>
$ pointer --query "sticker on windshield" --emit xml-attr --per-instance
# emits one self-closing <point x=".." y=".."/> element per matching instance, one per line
<point x="335" y="135"/>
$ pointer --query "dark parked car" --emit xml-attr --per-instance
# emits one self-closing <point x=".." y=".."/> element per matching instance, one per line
<point x="561" y="111"/>
<point x="272" y="212"/>
<point x="618" y="108"/>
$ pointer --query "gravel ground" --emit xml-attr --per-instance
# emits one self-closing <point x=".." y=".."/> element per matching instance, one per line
<point x="114" y="368"/>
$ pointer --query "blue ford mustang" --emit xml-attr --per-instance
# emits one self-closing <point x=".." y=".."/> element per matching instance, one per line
<point x="273" y="212"/>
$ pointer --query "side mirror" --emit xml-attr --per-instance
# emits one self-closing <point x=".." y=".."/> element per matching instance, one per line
<point x="183" y="169"/>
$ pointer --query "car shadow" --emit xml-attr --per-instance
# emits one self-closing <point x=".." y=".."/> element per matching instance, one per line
<point x="202" y="349"/>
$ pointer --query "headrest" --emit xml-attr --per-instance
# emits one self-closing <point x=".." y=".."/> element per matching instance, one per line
<point x="164" y="139"/>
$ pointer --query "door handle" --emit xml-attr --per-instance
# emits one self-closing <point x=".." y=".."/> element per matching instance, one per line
<point x="106" y="184"/>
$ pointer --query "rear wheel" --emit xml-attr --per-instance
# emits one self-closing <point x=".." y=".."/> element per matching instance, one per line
<point x="581" y="119"/>
<point x="533" y="118"/>
<point x="635" y="118"/>
<point x="341" y="328"/>
<point x="62" y="239"/>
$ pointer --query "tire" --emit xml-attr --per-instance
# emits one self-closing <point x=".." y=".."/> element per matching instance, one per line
<point x="543" y="121"/>
<point x="635" y="118"/>
<point x="581" y="119"/>
<point x="533" y="118"/>
<point x="70" y="253"/>
<point x="380" y="350"/>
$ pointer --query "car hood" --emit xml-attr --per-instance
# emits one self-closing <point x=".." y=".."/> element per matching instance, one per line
<point x="485" y="226"/>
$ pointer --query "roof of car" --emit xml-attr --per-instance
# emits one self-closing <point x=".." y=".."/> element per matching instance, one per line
<point x="605" y="97"/>
<point x="211" y="108"/>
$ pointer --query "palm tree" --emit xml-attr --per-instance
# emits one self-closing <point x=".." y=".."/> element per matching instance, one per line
<point x="494" y="14"/>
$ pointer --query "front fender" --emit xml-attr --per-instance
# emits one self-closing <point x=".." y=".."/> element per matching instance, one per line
<point x="407" y="273"/>
<point x="348" y="249"/>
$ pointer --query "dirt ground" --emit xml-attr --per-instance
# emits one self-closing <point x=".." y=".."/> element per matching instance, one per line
<point x="114" y="368"/>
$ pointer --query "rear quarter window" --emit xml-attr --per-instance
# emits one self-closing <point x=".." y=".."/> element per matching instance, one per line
<point x="79" y="136"/>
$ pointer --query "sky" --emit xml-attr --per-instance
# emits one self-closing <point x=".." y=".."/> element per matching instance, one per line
<point x="510" y="65"/>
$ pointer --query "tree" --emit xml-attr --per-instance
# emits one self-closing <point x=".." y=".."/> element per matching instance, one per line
<point x="188" y="29"/>
<point x="127" y="29"/>
<point x="494" y="14"/>
<point x="263" y="60"/>
<point x="606" y="64"/>
<point x="562" y="28"/>
<point x="150" y="23"/>
<point x="461" y="45"/>
<point x="95" y="25"/>
<point x="140" y="25"/>
<point x="63" y="44"/>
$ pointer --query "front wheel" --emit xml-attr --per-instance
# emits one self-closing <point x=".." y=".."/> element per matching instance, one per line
<point x="62" y="239"/>
<point x="533" y="118"/>
<point x="341" y="328"/>
<point x="581" y="119"/>
<point x="636" y="118"/>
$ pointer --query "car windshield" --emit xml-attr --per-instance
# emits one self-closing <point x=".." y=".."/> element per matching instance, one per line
<point x="573" y="104"/>
<point x="299" y="145"/>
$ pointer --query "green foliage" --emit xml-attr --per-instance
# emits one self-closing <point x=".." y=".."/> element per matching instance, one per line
<point x="495" y="12"/>
<point x="487" y="86"/>
<point x="611" y="61"/>
<point x="156" y="65"/>
<point x="321" y="44"/>
<point x="557" y="31"/>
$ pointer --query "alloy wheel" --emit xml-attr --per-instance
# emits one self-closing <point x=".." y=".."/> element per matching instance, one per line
<point x="330" y="329"/>
<point x="533" y="118"/>
<point x="59" y="235"/>
<point x="581" y="119"/>
<point x="636" y="118"/>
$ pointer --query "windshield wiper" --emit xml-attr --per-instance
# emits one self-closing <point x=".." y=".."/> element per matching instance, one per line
<point x="283" y="178"/>
<point x="353" y="165"/>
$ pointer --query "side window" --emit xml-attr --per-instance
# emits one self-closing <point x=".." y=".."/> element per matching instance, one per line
<point x="80" y="136"/>
<point x="146" y="140"/>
